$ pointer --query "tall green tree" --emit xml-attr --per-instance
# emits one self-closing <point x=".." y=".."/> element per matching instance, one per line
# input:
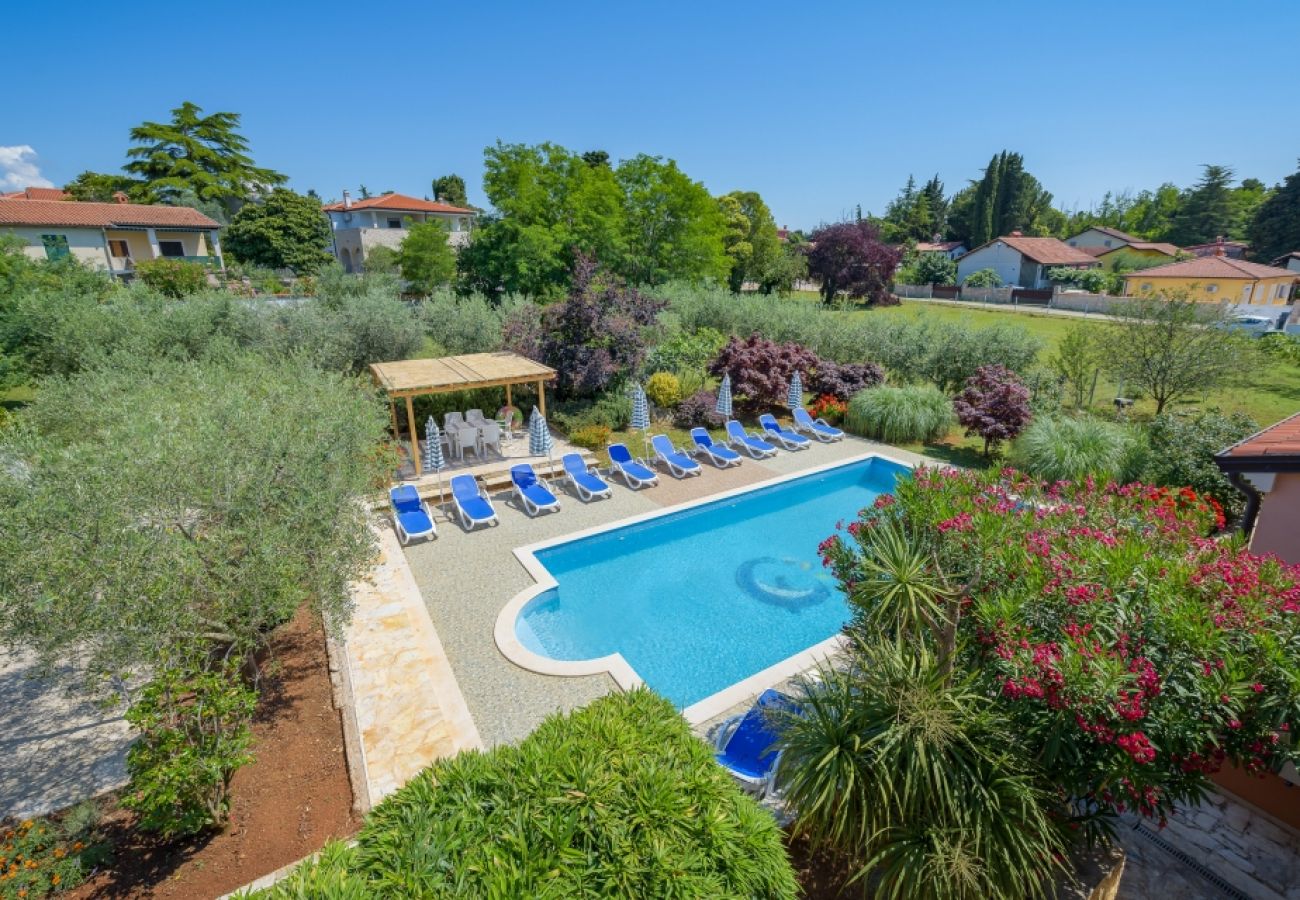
<point x="916" y="214"/>
<point x="426" y="258"/>
<point x="673" y="228"/>
<point x="99" y="187"/>
<point x="450" y="189"/>
<point x="1206" y="211"/>
<point x="285" y="230"/>
<point x="757" y="239"/>
<point x="1006" y="198"/>
<point x="204" y="154"/>
<point x="1275" y="229"/>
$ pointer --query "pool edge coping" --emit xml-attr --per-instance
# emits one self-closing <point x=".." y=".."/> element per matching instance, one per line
<point x="615" y="665"/>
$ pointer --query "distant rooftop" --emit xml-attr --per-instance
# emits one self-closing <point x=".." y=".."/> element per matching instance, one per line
<point x="397" y="203"/>
<point x="1214" y="267"/>
<point x="78" y="214"/>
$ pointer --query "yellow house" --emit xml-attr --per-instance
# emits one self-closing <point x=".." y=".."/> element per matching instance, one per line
<point x="1137" y="254"/>
<point x="1216" y="279"/>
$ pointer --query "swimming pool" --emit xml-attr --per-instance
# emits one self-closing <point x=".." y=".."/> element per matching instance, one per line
<point x="695" y="600"/>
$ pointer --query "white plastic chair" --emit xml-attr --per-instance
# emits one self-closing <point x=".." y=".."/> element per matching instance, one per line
<point x="489" y="435"/>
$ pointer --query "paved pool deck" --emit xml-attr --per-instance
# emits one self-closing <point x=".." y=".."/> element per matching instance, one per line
<point x="466" y="579"/>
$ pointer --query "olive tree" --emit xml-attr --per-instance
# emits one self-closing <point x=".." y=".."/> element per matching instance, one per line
<point x="174" y="514"/>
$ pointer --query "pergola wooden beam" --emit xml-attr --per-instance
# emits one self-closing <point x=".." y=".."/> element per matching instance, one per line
<point x="410" y="378"/>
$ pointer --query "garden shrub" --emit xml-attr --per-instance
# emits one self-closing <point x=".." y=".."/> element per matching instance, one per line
<point x="1282" y="346"/>
<point x="686" y="350"/>
<point x="612" y="409"/>
<point x="195" y="733"/>
<point x="39" y="857"/>
<point x="984" y="278"/>
<point x="843" y="380"/>
<point x="830" y="408"/>
<point x="761" y="370"/>
<point x="900" y="415"/>
<point x="590" y="437"/>
<point x="663" y="389"/>
<point x="1131" y="655"/>
<point x="618" y="799"/>
<point x="699" y="410"/>
<point x="1182" y="449"/>
<point x="994" y="405"/>
<point x="173" y="278"/>
<point x="459" y="325"/>
<point x="1063" y="448"/>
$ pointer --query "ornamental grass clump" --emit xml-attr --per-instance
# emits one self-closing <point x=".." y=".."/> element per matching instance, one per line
<point x="618" y="799"/>
<point x="900" y="415"/>
<point x="1130" y="654"/>
<point x="1061" y="448"/>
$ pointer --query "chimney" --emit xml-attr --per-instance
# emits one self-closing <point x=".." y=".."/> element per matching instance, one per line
<point x="1218" y="246"/>
<point x="347" y="200"/>
<point x="1017" y="234"/>
<point x="120" y="197"/>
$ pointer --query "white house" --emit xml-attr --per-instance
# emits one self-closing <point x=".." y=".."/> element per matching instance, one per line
<point x="112" y="236"/>
<point x="1102" y="238"/>
<point x="360" y="225"/>
<point x="1023" y="261"/>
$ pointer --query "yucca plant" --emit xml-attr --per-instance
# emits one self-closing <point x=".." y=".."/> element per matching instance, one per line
<point x="913" y="780"/>
<point x="900" y="415"/>
<point x="1061" y="448"/>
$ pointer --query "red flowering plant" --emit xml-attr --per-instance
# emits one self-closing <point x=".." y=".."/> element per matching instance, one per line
<point x="830" y="408"/>
<point x="1134" y="654"/>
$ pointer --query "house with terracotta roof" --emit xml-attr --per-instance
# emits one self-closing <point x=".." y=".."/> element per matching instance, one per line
<point x="111" y="236"/>
<point x="950" y="249"/>
<point x="1220" y="247"/>
<point x="1023" y="261"/>
<point x="1102" y="238"/>
<point x="361" y="225"/>
<point x="1290" y="261"/>
<point x="1135" y="255"/>
<point x="1216" y="279"/>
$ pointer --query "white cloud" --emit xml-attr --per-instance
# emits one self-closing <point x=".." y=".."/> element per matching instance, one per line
<point x="18" y="169"/>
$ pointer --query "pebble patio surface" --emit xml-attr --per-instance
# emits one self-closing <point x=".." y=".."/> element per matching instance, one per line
<point x="466" y="579"/>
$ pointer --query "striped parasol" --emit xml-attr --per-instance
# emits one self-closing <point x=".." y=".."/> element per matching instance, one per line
<point x="434" y="461"/>
<point x="723" y="406"/>
<point x="794" y="399"/>
<point x="539" y="436"/>
<point x="640" y="414"/>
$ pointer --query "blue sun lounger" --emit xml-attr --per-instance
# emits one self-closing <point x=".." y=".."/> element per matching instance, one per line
<point x="721" y="455"/>
<point x="740" y="439"/>
<point x="587" y="484"/>
<point x="472" y="502"/>
<point x="634" y="471"/>
<point x="678" y="463"/>
<point x="533" y="495"/>
<point x="745" y="743"/>
<point x="411" y="515"/>
<point x="818" y="428"/>
<point x="790" y="440"/>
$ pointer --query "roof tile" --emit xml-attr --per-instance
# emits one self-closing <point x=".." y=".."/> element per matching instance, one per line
<point x="74" y="214"/>
<point x="398" y="203"/>
<point x="1214" y="267"/>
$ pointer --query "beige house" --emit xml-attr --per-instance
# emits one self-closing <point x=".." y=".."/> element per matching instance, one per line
<point x="361" y="225"/>
<point x="111" y="236"/>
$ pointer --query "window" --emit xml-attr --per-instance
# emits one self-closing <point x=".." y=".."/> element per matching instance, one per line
<point x="1107" y="243"/>
<point x="171" y="249"/>
<point x="1211" y="289"/>
<point x="56" y="246"/>
<point x="119" y="250"/>
<point x="394" y="223"/>
<point x="1146" y="287"/>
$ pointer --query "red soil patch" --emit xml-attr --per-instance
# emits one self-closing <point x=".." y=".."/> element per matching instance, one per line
<point x="287" y="804"/>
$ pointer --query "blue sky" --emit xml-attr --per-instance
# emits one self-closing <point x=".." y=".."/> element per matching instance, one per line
<point x="817" y="106"/>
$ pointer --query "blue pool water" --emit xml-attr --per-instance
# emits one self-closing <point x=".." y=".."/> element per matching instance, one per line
<point x="700" y="599"/>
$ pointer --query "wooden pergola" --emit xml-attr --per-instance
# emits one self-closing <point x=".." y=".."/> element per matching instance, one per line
<point x="411" y="378"/>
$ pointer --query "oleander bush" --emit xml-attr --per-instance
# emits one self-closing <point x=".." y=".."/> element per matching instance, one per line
<point x="617" y="799"/>
<point x="1183" y="446"/>
<point x="1071" y="448"/>
<point x="900" y="415"/>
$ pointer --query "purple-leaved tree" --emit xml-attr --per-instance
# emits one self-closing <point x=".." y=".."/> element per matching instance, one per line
<point x="851" y="257"/>
<point x="994" y="404"/>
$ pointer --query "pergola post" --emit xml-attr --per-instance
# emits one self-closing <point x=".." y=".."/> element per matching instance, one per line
<point x="415" y="440"/>
<point x="541" y="397"/>
<point x="508" y="400"/>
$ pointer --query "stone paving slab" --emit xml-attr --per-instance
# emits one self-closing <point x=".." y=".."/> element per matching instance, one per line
<point x="408" y="706"/>
<point x="467" y="578"/>
<point x="56" y="748"/>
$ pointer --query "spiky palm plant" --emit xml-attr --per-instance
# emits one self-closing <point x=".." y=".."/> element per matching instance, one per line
<point x="911" y="779"/>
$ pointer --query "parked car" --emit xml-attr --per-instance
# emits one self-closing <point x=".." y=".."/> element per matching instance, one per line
<point x="1250" y="324"/>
